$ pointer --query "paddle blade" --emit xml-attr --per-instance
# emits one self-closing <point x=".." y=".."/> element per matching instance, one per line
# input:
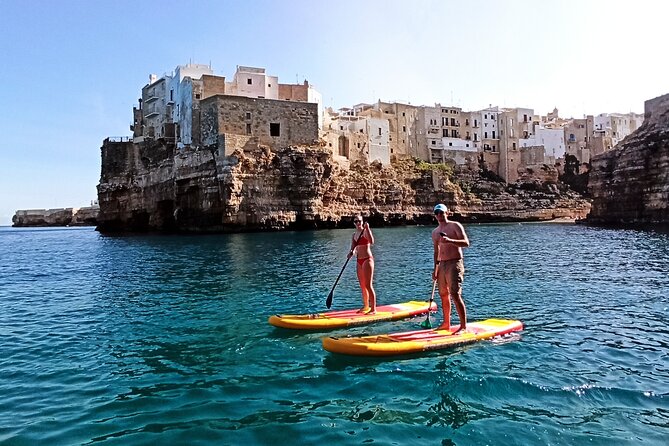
<point x="426" y="323"/>
<point x="328" y="301"/>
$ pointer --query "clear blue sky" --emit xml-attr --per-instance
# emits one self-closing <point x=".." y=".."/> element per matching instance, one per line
<point x="73" y="69"/>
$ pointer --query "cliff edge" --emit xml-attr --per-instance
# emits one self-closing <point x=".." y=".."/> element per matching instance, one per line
<point x="151" y="186"/>
<point x="630" y="184"/>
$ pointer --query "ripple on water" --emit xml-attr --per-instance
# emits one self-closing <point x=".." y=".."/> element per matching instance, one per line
<point x="135" y="340"/>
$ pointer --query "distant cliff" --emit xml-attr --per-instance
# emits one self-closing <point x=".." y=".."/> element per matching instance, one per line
<point x="153" y="187"/>
<point x="84" y="216"/>
<point x="630" y="184"/>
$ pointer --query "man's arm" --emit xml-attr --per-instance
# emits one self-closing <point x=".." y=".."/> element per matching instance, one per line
<point x="462" y="241"/>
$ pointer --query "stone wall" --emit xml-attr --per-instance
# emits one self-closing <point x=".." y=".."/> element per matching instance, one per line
<point x="630" y="184"/>
<point x="273" y="123"/>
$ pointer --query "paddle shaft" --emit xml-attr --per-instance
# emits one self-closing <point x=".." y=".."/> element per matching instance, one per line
<point x="328" y="301"/>
<point x="427" y="323"/>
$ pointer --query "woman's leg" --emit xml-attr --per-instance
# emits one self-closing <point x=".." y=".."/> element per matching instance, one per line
<point x="363" y="288"/>
<point x="368" y="268"/>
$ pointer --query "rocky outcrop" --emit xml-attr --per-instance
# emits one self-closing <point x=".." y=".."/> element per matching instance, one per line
<point x="153" y="187"/>
<point x="630" y="184"/>
<point x="85" y="216"/>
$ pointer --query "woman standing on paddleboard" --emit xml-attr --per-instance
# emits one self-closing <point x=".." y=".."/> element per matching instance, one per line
<point x="361" y="244"/>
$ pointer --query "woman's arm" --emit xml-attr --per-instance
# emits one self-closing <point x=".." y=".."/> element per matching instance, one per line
<point x="369" y="233"/>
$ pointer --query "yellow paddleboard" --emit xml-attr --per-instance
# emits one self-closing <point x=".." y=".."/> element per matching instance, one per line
<point x="350" y="318"/>
<point x="419" y="340"/>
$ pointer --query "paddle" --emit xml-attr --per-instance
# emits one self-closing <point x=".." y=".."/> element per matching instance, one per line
<point x="426" y="323"/>
<point x="328" y="301"/>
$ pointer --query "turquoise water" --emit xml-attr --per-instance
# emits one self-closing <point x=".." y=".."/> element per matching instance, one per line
<point x="164" y="340"/>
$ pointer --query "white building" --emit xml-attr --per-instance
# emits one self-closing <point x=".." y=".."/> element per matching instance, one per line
<point x="551" y="139"/>
<point x="617" y="126"/>
<point x="253" y="82"/>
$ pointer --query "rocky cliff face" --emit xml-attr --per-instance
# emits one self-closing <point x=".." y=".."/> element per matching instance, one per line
<point x="85" y="216"/>
<point x="630" y="184"/>
<point x="150" y="187"/>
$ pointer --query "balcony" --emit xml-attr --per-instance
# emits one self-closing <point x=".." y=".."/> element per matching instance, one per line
<point x="151" y="99"/>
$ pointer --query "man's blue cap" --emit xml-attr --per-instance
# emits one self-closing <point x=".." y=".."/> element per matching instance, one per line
<point x="441" y="207"/>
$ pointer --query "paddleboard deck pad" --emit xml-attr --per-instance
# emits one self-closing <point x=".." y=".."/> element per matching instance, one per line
<point x="419" y="340"/>
<point x="351" y="318"/>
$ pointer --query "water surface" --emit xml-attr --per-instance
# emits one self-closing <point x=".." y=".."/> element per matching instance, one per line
<point x="164" y="340"/>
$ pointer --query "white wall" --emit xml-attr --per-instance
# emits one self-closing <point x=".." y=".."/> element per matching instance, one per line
<point x="458" y="144"/>
<point x="314" y="96"/>
<point x="261" y="86"/>
<point x="378" y="130"/>
<point x="183" y="110"/>
<point x="551" y="139"/>
<point x="489" y="123"/>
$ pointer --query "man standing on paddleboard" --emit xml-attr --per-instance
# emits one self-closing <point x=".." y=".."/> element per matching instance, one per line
<point x="448" y="240"/>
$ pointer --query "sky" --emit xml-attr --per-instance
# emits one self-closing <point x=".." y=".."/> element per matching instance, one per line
<point x="73" y="69"/>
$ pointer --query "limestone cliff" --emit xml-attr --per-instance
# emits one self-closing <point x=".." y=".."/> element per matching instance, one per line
<point x="152" y="187"/>
<point x="84" y="216"/>
<point x="630" y="184"/>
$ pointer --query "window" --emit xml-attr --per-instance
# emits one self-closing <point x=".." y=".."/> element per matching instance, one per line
<point x="248" y="129"/>
<point x="379" y="131"/>
<point x="450" y="144"/>
<point x="249" y="81"/>
<point x="358" y="145"/>
<point x="341" y="127"/>
<point x="434" y="143"/>
<point x="453" y="122"/>
<point x="485" y="135"/>
<point x="274" y="129"/>
<point x="514" y="146"/>
<point x="248" y="115"/>
<point x="197" y="95"/>
<point x="445" y="133"/>
<point x="454" y="133"/>
<point x="493" y="134"/>
<point x="403" y="114"/>
<point x="171" y="94"/>
<point x="269" y="85"/>
<point x="404" y="128"/>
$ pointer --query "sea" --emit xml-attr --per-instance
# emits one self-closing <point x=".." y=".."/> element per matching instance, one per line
<point x="164" y="340"/>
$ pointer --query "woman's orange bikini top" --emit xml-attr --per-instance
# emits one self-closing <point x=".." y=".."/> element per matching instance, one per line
<point x="362" y="241"/>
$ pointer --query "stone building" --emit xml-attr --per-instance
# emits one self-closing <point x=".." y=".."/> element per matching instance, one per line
<point x="232" y="123"/>
<point x="401" y="127"/>
<point x="578" y="134"/>
<point x="170" y="105"/>
<point x="357" y="133"/>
